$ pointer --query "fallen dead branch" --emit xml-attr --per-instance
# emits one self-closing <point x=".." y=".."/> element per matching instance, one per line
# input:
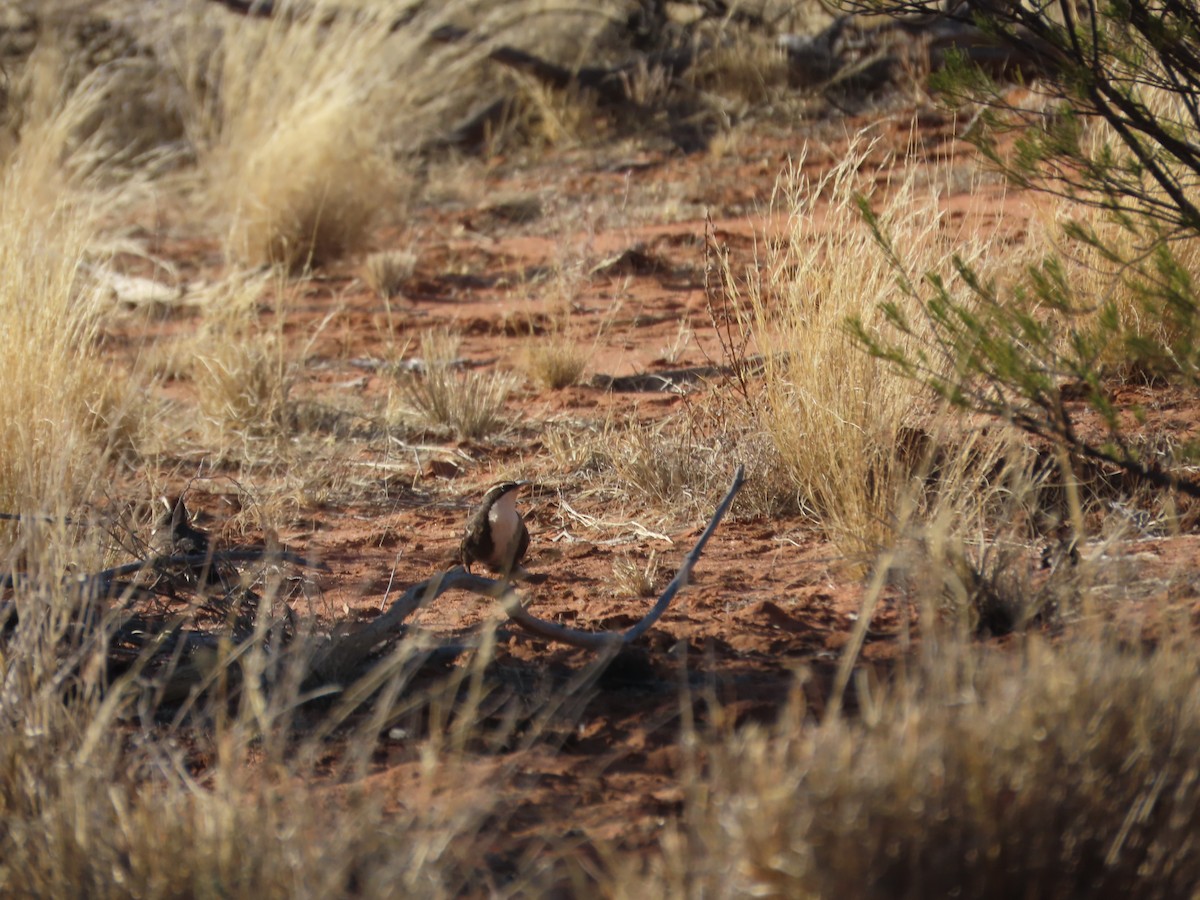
<point x="348" y="652"/>
<point x="168" y="650"/>
<point x="103" y="583"/>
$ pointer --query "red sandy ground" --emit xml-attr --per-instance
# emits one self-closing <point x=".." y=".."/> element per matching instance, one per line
<point x="770" y="600"/>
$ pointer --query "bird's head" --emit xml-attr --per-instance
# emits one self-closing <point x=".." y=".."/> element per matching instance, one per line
<point x="496" y="491"/>
<point x="175" y="511"/>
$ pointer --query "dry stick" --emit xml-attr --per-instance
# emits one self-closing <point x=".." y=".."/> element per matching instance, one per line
<point x="350" y="649"/>
<point x="681" y="577"/>
<point x="865" y="614"/>
<point x="346" y="651"/>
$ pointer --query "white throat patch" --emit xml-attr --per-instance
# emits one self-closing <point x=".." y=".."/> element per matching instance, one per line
<point x="505" y="522"/>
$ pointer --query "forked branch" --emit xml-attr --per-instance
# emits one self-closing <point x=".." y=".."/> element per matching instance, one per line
<point x="347" y="652"/>
<point x="344" y="654"/>
<point x="595" y="640"/>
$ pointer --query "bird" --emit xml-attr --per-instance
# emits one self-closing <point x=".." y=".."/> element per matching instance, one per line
<point x="496" y="534"/>
<point x="175" y="535"/>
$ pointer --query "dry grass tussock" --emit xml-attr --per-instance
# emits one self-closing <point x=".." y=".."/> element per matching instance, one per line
<point x="1046" y="772"/>
<point x="385" y="273"/>
<point x="839" y="420"/>
<point x="555" y="360"/>
<point x="99" y="800"/>
<point x="632" y="577"/>
<point x="298" y="127"/>
<point x="242" y="376"/>
<point x="438" y="395"/>
<point x="60" y="408"/>
<point x="287" y="125"/>
<point x="665" y="463"/>
<point x="675" y="466"/>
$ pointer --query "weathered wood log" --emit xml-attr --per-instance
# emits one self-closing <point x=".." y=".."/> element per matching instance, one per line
<point x="348" y="652"/>
<point x="182" y="662"/>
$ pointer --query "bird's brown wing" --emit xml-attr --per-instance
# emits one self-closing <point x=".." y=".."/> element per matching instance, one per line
<point x="522" y="545"/>
<point x="476" y="543"/>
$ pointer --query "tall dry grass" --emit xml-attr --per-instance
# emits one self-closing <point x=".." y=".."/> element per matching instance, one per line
<point x="1048" y="772"/>
<point x="105" y="792"/>
<point x="846" y="427"/>
<point x="306" y="128"/>
<point x="61" y="406"/>
<point x="288" y="121"/>
<point x="102" y="792"/>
